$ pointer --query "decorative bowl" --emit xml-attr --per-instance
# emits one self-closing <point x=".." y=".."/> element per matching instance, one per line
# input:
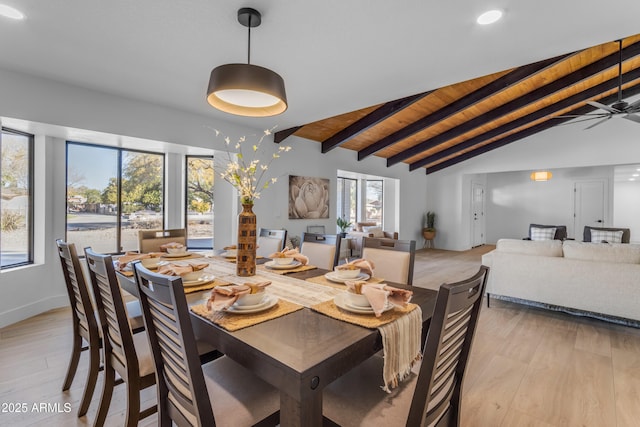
<point x="251" y="299"/>
<point x="358" y="300"/>
<point x="231" y="253"/>
<point x="347" y="273"/>
<point x="174" y="251"/>
<point x="192" y="276"/>
<point x="283" y="261"/>
<point x="150" y="263"/>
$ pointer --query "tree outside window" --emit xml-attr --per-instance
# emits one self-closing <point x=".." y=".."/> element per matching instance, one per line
<point x="199" y="198"/>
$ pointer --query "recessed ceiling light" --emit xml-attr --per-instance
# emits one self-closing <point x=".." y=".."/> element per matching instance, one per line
<point x="10" y="12"/>
<point x="632" y="179"/>
<point x="635" y="175"/>
<point x="489" y="17"/>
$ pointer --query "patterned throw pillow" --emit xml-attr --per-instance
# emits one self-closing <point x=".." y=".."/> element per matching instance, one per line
<point x="543" y="233"/>
<point x="602" y="236"/>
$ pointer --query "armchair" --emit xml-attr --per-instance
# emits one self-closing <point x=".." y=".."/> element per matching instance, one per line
<point x="367" y="229"/>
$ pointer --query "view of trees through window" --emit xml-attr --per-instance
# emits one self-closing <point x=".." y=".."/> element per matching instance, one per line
<point x="16" y="199"/>
<point x="348" y="199"/>
<point x="373" y="207"/>
<point x="111" y="194"/>
<point x="199" y="194"/>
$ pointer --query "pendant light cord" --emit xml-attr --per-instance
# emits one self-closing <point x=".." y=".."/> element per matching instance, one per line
<point x="249" y="43"/>
<point x="620" y="72"/>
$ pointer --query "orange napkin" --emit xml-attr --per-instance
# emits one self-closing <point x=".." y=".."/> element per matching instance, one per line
<point x="133" y="256"/>
<point x="379" y="294"/>
<point x="226" y="248"/>
<point x="291" y="253"/>
<point x="223" y="297"/>
<point x="362" y="263"/>
<point x="180" y="269"/>
<point x="172" y="245"/>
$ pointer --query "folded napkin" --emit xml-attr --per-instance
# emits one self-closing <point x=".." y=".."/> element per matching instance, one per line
<point x="362" y="263"/>
<point x="180" y="269"/>
<point x="290" y="253"/>
<point x="133" y="256"/>
<point x="223" y="297"/>
<point x="226" y="248"/>
<point x="172" y="245"/>
<point x="379" y="294"/>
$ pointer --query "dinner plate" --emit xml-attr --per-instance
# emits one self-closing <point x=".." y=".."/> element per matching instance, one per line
<point x="273" y="265"/>
<point x="204" y="280"/>
<point x="180" y="255"/>
<point x="342" y="301"/>
<point x="229" y="255"/>
<point x="268" y="302"/>
<point x="335" y="278"/>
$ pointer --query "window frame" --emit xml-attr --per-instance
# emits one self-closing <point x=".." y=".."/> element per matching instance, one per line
<point x="186" y="192"/>
<point x="119" y="151"/>
<point x="341" y="195"/>
<point x="366" y="216"/>
<point x="30" y="192"/>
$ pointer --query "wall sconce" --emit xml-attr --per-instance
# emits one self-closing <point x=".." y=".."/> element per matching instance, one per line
<point x="541" y="176"/>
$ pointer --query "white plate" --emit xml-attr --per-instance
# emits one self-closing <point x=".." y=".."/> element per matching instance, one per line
<point x="334" y="277"/>
<point x="342" y="301"/>
<point x="204" y="280"/>
<point x="273" y="265"/>
<point x="229" y="255"/>
<point x="180" y="255"/>
<point x="269" y="301"/>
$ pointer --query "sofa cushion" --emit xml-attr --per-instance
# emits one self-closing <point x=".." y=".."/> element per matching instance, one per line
<point x="603" y="252"/>
<point x="604" y="236"/>
<point x="552" y="248"/>
<point x="376" y="231"/>
<point x="547" y="233"/>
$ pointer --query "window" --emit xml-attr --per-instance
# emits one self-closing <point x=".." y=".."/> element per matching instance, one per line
<point x="348" y="199"/>
<point x="199" y="206"/>
<point x="111" y="194"/>
<point x="16" y="198"/>
<point x="373" y="196"/>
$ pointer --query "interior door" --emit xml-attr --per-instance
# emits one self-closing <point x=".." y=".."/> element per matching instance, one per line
<point x="477" y="214"/>
<point x="589" y="204"/>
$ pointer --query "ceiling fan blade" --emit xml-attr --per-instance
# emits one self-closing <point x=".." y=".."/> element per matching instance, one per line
<point x="583" y="120"/>
<point x="598" y="122"/>
<point x="603" y="107"/>
<point x="633" y="106"/>
<point x="632" y="117"/>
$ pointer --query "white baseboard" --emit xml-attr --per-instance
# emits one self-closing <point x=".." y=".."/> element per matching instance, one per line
<point x="32" y="309"/>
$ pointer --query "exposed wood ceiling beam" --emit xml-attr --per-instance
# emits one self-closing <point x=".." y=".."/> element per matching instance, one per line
<point x="280" y="136"/>
<point x="520" y="102"/>
<point x="376" y="116"/>
<point x="504" y="82"/>
<point x="635" y="90"/>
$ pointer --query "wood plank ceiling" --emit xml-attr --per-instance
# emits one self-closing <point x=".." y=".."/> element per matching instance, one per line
<point x="440" y="128"/>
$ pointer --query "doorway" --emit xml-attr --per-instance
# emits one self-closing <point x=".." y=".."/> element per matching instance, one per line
<point x="590" y="198"/>
<point x="477" y="214"/>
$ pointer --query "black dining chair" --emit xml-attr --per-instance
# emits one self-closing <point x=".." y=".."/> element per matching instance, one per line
<point x="433" y="396"/>
<point x="221" y="392"/>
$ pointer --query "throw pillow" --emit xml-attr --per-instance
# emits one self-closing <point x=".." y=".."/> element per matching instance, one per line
<point x="602" y="236"/>
<point x="376" y="231"/>
<point x="543" y="233"/>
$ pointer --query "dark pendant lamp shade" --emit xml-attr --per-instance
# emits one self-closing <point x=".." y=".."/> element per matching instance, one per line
<point x="246" y="89"/>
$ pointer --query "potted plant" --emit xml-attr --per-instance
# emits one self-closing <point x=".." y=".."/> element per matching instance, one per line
<point x="429" y="229"/>
<point x="343" y="224"/>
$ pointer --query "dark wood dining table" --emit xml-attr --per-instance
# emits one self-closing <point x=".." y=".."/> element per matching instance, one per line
<point x="299" y="353"/>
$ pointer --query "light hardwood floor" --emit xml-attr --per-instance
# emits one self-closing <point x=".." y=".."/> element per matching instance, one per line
<point x="529" y="367"/>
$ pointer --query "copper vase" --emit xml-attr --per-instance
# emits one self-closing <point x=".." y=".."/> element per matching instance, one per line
<point x="246" y="255"/>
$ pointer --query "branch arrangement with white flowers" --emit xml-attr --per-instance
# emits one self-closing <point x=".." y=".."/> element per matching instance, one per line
<point x="248" y="176"/>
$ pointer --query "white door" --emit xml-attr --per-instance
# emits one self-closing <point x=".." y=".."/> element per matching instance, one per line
<point x="477" y="214"/>
<point x="589" y="204"/>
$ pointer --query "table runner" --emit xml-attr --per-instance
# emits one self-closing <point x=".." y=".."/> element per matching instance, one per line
<point x="401" y="331"/>
<point x="233" y="322"/>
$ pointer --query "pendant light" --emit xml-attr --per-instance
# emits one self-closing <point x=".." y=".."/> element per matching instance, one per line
<point x="246" y="89"/>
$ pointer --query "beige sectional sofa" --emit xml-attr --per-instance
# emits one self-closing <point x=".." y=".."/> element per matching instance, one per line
<point x="596" y="279"/>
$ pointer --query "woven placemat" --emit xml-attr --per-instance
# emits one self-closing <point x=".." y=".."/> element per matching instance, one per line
<point x="321" y="280"/>
<point x="233" y="322"/>
<point x="283" y="272"/>
<point x="127" y="273"/>
<point x="370" y="321"/>
<point x="232" y="259"/>
<point x="205" y="286"/>
<point x="192" y="255"/>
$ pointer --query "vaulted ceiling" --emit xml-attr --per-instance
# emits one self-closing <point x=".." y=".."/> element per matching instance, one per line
<point x="439" y="128"/>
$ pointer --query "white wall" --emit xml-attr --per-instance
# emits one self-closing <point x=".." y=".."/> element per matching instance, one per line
<point x="36" y="104"/>
<point x="626" y="207"/>
<point x="612" y="143"/>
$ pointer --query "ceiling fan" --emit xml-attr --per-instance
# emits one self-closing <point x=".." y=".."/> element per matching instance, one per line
<point x="619" y="108"/>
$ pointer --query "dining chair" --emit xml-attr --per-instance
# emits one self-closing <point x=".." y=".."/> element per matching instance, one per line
<point x="221" y="392"/>
<point x="393" y="259"/>
<point x="126" y="353"/>
<point x="85" y="326"/>
<point x="322" y="250"/>
<point x="270" y="241"/>
<point x="433" y="396"/>
<point x="151" y="240"/>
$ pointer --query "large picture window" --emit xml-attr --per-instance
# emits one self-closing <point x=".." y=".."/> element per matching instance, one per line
<point x="348" y="199"/>
<point x="199" y="198"/>
<point x="374" y="202"/>
<point x="112" y="193"/>
<point x="16" y="198"/>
